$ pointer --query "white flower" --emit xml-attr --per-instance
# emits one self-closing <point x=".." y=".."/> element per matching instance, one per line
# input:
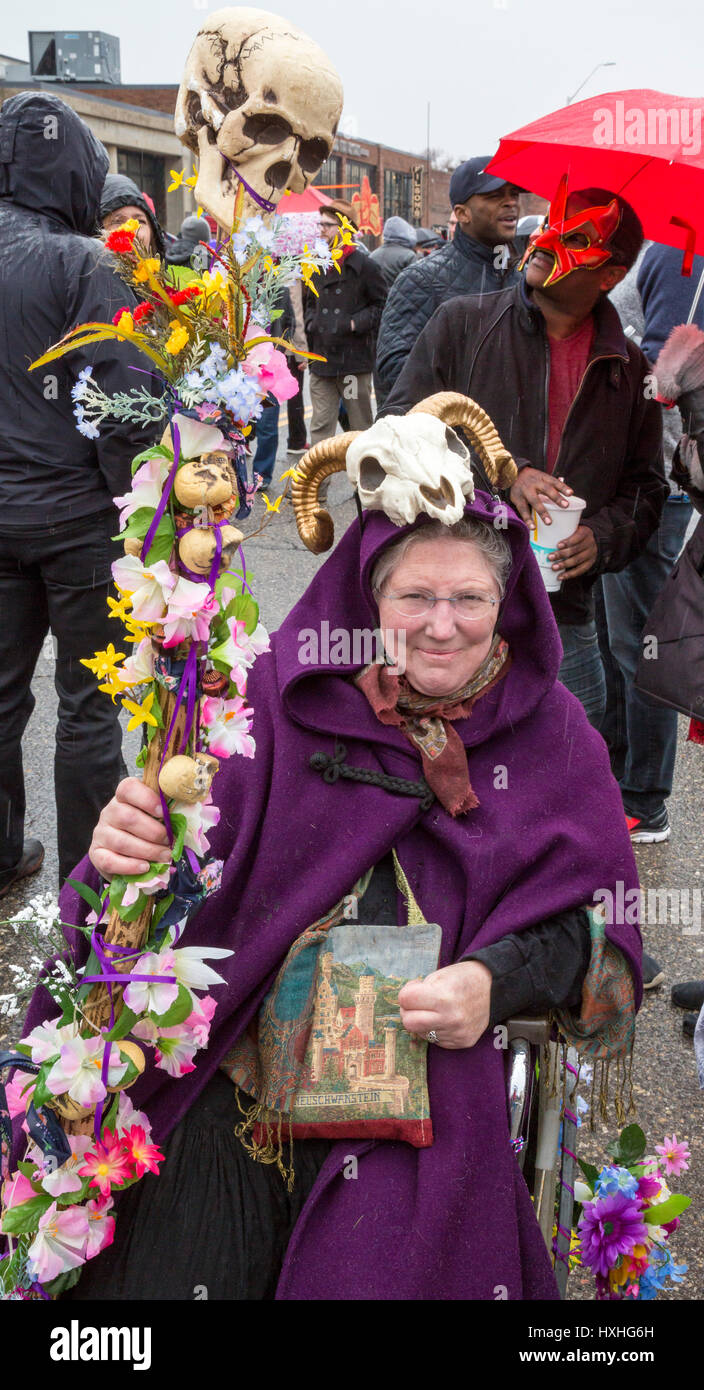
<point x="200" y="817"/>
<point x="149" y="588"/>
<point x="190" y="970"/>
<point x="143" y="996"/>
<point x="46" y="1040"/>
<point x="195" y="438"/>
<point x="79" y="1068"/>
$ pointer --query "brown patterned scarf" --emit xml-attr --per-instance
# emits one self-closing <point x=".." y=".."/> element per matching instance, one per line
<point x="427" y="722"/>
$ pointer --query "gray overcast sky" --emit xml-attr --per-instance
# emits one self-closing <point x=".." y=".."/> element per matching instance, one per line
<point x="486" y="66"/>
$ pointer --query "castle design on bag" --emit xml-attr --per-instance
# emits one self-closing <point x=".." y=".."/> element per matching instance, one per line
<point x="343" y="1042"/>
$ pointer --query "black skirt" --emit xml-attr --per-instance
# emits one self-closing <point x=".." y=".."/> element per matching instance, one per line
<point x="213" y="1224"/>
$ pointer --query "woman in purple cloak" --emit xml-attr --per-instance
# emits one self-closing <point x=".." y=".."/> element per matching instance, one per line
<point x="453" y="781"/>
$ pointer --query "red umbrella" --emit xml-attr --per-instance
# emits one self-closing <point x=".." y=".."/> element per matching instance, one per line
<point x="310" y="201"/>
<point x="645" y="145"/>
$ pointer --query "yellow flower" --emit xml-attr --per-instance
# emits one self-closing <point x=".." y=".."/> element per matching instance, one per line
<point x="141" y="714"/>
<point x="125" y="323"/>
<point x="103" y="663"/>
<point x="192" y="181"/>
<point x="178" y="338"/>
<point x="269" y="266"/>
<point x="147" y="267"/>
<point x="199" y="211"/>
<point x="272" y="506"/>
<point x="213" y="282"/>
<point x="114" y="687"/>
<point x="291" y="473"/>
<point x="131" y="225"/>
<point x="177" y="177"/>
<point x="137" y="632"/>
<point x="308" y="270"/>
<point x="119" y="608"/>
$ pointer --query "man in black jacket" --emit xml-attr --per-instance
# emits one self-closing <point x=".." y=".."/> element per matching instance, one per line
<point x="341" y="323"/>
<point x="568" y="394"/>
<point x="56" y="485"/>
<point x="481" y="258"/>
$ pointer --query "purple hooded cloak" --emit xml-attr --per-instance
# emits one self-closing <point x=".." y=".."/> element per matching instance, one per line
<point x="453" y="1221"/>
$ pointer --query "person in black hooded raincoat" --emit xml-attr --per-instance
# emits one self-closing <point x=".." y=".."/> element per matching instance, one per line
<point x="56" y="484"/>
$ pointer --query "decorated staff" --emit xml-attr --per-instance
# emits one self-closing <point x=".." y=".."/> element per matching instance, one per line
<point x="193" y="625"/>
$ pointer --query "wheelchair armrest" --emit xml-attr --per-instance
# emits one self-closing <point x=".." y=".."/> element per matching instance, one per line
<point x="531" y="1028"/>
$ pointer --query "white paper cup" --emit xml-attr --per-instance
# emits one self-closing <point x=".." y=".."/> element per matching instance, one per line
<point x="544" y="539"/>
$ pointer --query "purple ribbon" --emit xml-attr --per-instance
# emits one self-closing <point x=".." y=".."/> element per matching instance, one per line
<point x="164" y="499"/>
<point x="261" y="202"/>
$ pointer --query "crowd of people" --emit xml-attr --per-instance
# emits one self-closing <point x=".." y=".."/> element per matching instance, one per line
<point x="554" y="336"/>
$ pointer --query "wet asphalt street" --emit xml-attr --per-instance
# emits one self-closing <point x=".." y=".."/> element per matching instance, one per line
<point x="665" y="1083"/>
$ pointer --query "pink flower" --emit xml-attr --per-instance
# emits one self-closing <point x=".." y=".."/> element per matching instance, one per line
<point x="674" y="1156"/>
<point x="16" y="1102"/>
<point x="106" y="1164"/>
<point x="269" y="365"/>
<point x="198" y="1022"/>
<point x="101" y="1227"/>
<point x="173" y="1054"/>
<point x="150" y="588"/>
<point x="150" y="883"/>
<point x="144" y="997"/>
<point x="146" y="490"/>
<point x="16" y="1190"/>
<point x="46" y="1040"/>
<point x="65" y="1178"/>
<point x="648" y="1188"/>
<point x="142" y="1155"/>
<point x="200" y="816"/>
<point x="79" y="1070"/>
<point x="59" y="1244"/>
<point x="190" y="613"/>
<point x="127" y="1115"/>
<point x="228" y="723"/>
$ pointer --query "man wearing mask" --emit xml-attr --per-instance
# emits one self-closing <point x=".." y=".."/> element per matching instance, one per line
<point x="549" y="362"/>
<point x="56" y="484"/>
<point x="481" y="257"/>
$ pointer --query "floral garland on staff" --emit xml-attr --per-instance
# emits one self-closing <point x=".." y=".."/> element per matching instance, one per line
<point x="193" y="625"/>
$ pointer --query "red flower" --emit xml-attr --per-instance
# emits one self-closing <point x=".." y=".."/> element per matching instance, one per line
<point x="181" y="296"/>
<point x="116" y="317"/>
<point x="120" y="241"/>
<point x="139" y="1152"/>
<point x="143" y="311"/>
<point x="108" y="1163"/>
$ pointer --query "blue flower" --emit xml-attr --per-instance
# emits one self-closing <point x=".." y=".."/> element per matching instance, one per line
<point x="81" y="387"/>
<point x="612" y="1180"/>
<point x="661" y="1267"/>
<point x="85" y="427"/>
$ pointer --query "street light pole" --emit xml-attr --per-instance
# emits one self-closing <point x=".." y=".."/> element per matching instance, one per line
<point x="427" y="147"/>
<point x="587" y="79"/>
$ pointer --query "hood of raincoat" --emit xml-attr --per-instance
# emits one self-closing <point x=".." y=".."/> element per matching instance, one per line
<point x="121" y="192"/>
<point x="50" y="161"/>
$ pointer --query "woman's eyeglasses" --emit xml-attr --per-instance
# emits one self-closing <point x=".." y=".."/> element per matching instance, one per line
<point x="471" y="607"/>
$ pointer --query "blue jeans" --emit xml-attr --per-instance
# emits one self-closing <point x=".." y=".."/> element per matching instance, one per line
<point x="641" y="735"/>
<point x="581" y="669"/>
<point x="267" y="443"/>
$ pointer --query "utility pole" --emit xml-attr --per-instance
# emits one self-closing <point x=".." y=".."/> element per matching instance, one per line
<point x="426" y="221"/>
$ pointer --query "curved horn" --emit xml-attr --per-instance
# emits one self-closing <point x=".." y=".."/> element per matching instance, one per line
<point x="315" y="524"/>
<point x="455" y="409"/>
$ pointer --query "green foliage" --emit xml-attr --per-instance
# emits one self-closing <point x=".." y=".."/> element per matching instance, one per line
<point x="88" y="894"/>
<point x="179" y="1010"/>
<point x="63" y="1282"/>
<point x="164" y="536"/>
<point x="157" y="451"/>
<point x="629" y="1147"/>
<point x="123" y="1026"/>
<point x="664" y="1212"/>
<point x="24" y="1218"/>
<point x="590" y="1172"/>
